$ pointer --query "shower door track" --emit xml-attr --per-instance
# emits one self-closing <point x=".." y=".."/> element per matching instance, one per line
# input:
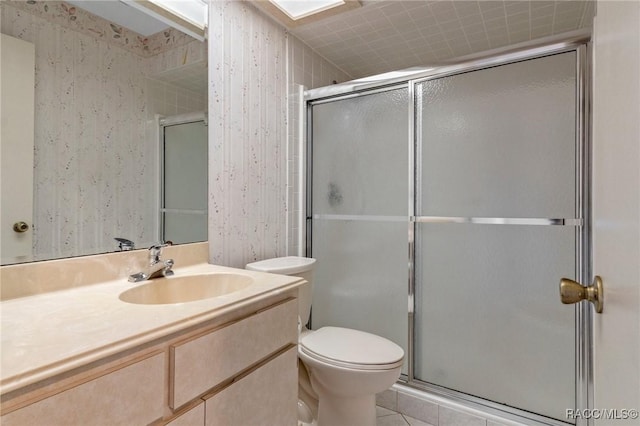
<point x="582" y="221"/>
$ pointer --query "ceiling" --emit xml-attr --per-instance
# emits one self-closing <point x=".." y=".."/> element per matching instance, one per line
<point x="387" y="35"/>
<point x="122" y="14"/>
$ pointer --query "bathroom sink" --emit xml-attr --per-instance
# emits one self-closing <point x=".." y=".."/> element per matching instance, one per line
<point x="185" y="288"/>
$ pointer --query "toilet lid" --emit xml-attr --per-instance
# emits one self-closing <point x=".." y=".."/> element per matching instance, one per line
<point x="283" y="265"/>
<point x="347" y="347"/>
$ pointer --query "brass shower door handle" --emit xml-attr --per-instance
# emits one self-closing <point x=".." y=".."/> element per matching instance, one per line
<point x="573" y="292"/>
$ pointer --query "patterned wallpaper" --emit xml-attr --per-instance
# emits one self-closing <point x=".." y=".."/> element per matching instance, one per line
<point x="96" y="159"/>
<point x="79" y="20"/>
<point x="100" y="93"/>
<point x="253" y="64"/>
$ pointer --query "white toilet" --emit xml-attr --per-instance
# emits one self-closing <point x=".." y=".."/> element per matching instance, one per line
<point x="341" y="369"/>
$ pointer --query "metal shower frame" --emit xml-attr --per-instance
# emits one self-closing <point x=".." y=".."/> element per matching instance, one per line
<point x="579" y="43"/>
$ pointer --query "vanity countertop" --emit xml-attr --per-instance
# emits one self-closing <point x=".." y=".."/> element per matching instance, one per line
<point x="50" y="333"/>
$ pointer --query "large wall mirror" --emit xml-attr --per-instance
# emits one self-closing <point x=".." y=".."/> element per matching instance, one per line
<point x="106" y="77"/>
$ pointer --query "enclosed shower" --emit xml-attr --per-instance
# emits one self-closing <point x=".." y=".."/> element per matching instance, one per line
<point x="183" y="178"/>
<point x="443" y="207"/>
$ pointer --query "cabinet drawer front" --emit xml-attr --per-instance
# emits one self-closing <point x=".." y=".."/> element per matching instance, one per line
<point x="268" y="396"/>
<point x="130" y="395"/>
<point x="206" y="361"/>
<point x="193" y="417"/>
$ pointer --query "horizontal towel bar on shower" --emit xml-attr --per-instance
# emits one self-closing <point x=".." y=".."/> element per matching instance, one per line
<point x="499" y="220"/>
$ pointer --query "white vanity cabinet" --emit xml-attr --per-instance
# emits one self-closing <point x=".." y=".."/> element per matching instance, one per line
<point x="129" y="395"/>
<point x="261" y="398"/>
<point x="238" y="370"/>
<point x="193" y="417"/>
<point x="208" y="360"/>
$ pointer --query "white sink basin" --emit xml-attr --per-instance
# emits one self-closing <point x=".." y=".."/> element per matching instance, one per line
<point x="179" y="289"/>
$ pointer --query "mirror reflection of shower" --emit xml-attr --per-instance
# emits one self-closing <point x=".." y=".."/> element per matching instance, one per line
<point x="183" y="180"/>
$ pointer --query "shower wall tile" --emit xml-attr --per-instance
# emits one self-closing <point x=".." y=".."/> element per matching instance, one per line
<point x="419" y="409"/>
<point x="436" y="410"/>
<point x="95" y="165"/>
<point x="449" y="417"/>
<point x="310" y="69"/>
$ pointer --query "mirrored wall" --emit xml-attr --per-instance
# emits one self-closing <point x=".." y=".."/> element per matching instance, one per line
<point x="99" y="90"/>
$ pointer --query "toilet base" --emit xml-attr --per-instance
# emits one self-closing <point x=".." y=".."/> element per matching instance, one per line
<point x="335" y="410"/>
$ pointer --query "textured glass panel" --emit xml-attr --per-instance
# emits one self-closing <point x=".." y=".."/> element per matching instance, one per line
<point x="185" y="166"/>
<point x="182" y="228"/>
<point x="360" y="155"/>
<point x="500" y="142"/>
<point x="489" y="321"/>
<point x="361" y="277"/>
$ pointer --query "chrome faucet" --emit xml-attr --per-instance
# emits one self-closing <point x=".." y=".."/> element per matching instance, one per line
<point x="124" y="244"/>
<point x="157" y="267"/>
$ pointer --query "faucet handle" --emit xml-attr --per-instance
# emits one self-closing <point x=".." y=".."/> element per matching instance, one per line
<point x="156" y="250"/>
<point x="124" y="244"/>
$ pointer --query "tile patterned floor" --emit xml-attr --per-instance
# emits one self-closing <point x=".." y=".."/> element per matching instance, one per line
<point x="391" y="418"/>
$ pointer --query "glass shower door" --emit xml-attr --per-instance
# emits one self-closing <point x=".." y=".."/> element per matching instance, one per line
<point x="184" y="182"/>
<point x="360" y="213"/>
<point x="497" y="225"/>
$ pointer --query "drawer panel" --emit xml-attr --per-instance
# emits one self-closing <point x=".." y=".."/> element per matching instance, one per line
<point x="204" y="362"/>
<point x="193" y="417"/>
<point x="130" y="395"/>
<point x="267" y="396"/>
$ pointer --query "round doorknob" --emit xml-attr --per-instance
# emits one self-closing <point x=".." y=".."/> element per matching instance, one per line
<point x="21" y="227"/>
<point x="573" y="292"/>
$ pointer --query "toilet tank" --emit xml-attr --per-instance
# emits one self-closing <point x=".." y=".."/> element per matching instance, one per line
<point x="296" y="266"/>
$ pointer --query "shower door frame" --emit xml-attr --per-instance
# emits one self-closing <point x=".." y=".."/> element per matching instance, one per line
<point x="583" y="313"/>
<point x="162" y="123"/>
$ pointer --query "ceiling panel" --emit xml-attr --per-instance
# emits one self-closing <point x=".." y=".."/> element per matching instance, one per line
<point x="388" y="35"/>
<point x="122" y="14"/>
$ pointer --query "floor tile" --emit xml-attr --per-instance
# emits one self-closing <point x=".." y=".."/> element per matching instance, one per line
<point x="450" y="417"/>
<point x="381" y="412"/>
<point x="392" y="420"/>
<point x="415" y="422"/>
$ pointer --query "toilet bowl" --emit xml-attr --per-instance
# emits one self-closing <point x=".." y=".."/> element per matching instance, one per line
<point x="341" y="369"/>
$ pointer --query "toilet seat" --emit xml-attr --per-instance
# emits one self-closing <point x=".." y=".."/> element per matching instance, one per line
<point x="347" y="348"/>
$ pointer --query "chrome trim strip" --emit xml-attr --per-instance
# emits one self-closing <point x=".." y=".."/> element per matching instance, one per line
<point x="584" y="314"/>
<point x="184" y="211"/>
<point x="189" y="117"/>
<point x="301" y="220"/>
<point x="451" y="219"/>
<point x="587" y="229"/>
<point x="418" y="147"/>
<point x="361" y="218"/>
<point x="309" y="225"/>
<point x="529" y="50"/>
<point x="160" y="174"/>
<point x="499" y="220"/>
<point x="411" y="137"/>
<point x="386" y="88"/>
